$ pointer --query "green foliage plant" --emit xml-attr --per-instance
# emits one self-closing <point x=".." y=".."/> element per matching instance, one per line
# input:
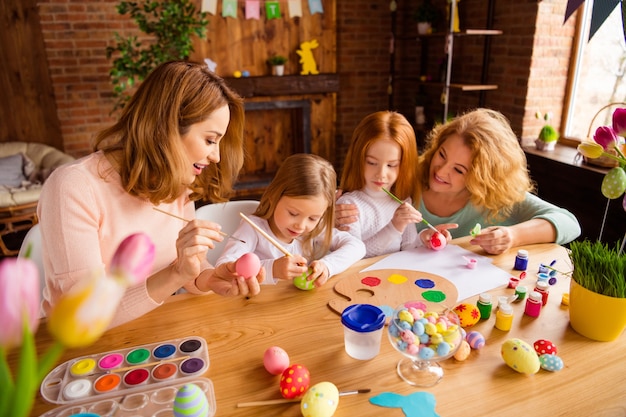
<point x="171" y="24"/>
<point x="599" y="268"/>
<point x="277" y="60"/>
<point x="426" y="12"/>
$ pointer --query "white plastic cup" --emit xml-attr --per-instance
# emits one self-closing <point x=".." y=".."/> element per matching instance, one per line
<point x="363" y="328"/>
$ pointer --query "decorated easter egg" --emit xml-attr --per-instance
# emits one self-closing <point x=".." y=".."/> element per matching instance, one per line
<point x="544" y="346"/>
<point x="190" y="401"/>
<point x="294" y="381"/>
<point x="614" y="183"/>
<point x="468" y="314"/>
<point x="302" y="283"/>
<point x="520" y="356"/>
<point x="320" y="400"/>
<point x="275" y="360"/>
<point x="550" y="362"/>
<point x="248" y="265"/>
<point x="463" y="352"/>
<point x="438" y="241"/>
<point x="475" y="339"/>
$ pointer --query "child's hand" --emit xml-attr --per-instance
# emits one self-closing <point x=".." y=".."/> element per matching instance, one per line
<point x="320" y="274"/>
<point x="404" y="215"/>
<point x="427" y="234"/>
<point x="225" y="281"/>
<point x="289" y="267"/>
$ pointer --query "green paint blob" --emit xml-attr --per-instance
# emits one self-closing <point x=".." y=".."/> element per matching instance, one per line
<point x="434" y="296"/>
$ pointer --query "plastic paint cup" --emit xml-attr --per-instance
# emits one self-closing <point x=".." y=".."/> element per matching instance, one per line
<point x="83" y="367"/>
<point x="107" y="383"/>
<point x="164" y="371"/>
<point x="190" y="346"/>
<point x="138" y="356"/>
<point x="110" y="361"/>
<point x="363" y="329"/>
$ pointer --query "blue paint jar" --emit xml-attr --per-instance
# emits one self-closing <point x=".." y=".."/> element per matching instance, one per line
<point x="521" y="260"/>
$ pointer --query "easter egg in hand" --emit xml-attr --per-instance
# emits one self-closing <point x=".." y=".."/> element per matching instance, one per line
<point x="438" y="241"/>
<point x="190" y="401"/>
<point x="294" y="381"/>
<point x="248" y="265"/>
<point x="320" y="400"/>
<point x="275" y="360"/>
<point x="302" y="283"/>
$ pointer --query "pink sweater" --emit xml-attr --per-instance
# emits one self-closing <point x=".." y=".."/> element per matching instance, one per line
<point x="84" y="215"/>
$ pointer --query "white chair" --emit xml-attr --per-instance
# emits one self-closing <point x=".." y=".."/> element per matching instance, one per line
<point x="227" y="215"/>
<point x="32" y="240"/>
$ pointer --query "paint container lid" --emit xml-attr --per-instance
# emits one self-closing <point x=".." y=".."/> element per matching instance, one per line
<point x="363" y="318"/>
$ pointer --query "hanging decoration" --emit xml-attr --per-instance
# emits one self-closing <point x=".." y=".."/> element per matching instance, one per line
<point x="600" y="12"/>
<point x="209" y="6"/>
<point x="253" y="9"/>
<point x="315" y="6"/>
<point x="229" y="8"/>
<point x="295" y="8"/>
<point x="272" y="10"/>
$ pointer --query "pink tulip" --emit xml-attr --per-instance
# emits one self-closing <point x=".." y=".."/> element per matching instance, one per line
<point x="619" y="121"/>
<point x="133" y="259"/>
<point x="624" y="202"/>
<point x="606" y="137"/>
<point x="19" y="299"/>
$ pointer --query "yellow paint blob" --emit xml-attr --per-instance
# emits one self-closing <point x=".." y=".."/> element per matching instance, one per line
<point x="397" y="279"/>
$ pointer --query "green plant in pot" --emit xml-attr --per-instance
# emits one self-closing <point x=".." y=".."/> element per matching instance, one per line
<point x="426" y="15"/>
<point x="171" y="24"/>
<point x="277" y="62"/>
<point x="548" y="136"/>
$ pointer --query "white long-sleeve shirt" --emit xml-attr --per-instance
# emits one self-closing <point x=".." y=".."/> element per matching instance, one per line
<point x="345" y="249"/>
<point x="374" y="225"/>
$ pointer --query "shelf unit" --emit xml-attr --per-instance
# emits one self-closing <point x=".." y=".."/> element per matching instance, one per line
<point x="449" y="35"/>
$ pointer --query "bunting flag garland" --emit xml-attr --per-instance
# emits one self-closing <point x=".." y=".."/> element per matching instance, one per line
<point x="315" y="6"/>
<point x="253" y="9"/>
<point x="295" y="8"/>
<point x="229" y="8"/>
<point x="600" y="12"/>
<point x="209" y="6"/>
<point x="272" y="10"/>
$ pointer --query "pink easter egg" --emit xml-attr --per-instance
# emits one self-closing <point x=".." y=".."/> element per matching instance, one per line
<point x="248" y="265"/>
<point x="275" y="360"/>
<point x="438" y="241"/>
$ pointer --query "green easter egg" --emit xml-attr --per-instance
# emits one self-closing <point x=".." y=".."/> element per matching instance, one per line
<point x="302" y="283"/>
<point x="614" y="183"/>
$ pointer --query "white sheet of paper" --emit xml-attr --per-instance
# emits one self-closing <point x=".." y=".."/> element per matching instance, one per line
<point x="450" y="264"/>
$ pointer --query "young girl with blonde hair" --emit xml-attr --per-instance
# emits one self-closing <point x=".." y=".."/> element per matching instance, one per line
<point x="297" y="209"/>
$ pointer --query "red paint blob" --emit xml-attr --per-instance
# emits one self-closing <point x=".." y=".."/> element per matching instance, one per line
<point x="371" y="281"/>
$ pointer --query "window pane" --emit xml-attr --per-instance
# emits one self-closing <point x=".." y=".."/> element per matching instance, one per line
<point x="601" y="78"/>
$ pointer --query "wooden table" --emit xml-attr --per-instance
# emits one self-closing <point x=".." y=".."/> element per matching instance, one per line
<point x="238" y="331"/>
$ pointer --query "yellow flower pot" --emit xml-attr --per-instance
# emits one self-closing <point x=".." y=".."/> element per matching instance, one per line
<point x="594" y="315"/>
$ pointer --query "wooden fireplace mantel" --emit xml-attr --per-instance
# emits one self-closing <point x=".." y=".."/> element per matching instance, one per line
<point x="286" y="85"/>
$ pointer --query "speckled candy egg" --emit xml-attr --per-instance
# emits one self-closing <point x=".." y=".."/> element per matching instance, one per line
<point x="475" y="339"/>
<point x="438" y="241"/>
<point x="294" y="381"/>
<point x="248" y="265"/>
<point x="544" y="346"/>
<point x="520" y="356"/>
<point x="275" y="360"/>
<point x="550" y="362"/>
<point x="468" y="314"/>
<point x="320" y="400"/>
<point x="190" y="401"/>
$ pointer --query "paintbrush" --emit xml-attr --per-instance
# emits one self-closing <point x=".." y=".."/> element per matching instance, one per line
<point x="187" y="220"/>
<point x="265" y="235"/>
<point x="390" y="194"/>
<point x="295" y="400"/>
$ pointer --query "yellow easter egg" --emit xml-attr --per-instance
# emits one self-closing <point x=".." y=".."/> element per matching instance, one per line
<point x="520" y="356"/>
<point x="406" y="316"/>
<point x="320" y="400"/>
<point x="468" y="314"/>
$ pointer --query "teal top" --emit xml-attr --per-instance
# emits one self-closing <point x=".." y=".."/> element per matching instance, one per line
<point x="565" y="223"/>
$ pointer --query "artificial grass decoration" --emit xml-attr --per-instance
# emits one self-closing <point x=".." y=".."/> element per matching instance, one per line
<point x="599" y="268"/>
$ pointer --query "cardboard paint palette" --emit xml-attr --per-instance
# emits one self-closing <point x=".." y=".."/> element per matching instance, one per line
<point x="388" y="288"/>
<point x="126" y="371"/>
<point x="151" y="403"/>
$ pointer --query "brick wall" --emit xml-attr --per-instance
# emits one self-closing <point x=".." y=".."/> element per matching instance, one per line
<point x="529" y="69"/>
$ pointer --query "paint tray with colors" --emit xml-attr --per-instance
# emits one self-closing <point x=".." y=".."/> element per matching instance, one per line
<point x="157" y="402"/>
<point x="126" y="371"/>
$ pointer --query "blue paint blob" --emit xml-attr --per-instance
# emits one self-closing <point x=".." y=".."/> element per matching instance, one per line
<point x="425" y="283"/>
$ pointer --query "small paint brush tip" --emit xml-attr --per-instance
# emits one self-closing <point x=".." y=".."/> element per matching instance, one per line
<point x="364" y="391"/>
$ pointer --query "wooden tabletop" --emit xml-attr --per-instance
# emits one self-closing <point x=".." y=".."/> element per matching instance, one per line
<point x="238" y="332"/>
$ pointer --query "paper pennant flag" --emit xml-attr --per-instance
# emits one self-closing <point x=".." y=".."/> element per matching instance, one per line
<point x="272" y="10"/>
<point x="315" y="6"/>
<point x="253" y="9"/>
<point x="572" y="5"/>
<point x="209" y="6"/>
<point x="295" y="8"/>
<point x="229" y="8"/>
<point x="601" y="10"/>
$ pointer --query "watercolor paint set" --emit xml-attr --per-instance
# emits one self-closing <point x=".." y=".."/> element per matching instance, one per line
<point x="156" y="402"/>
<point x="126" y="371"/>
